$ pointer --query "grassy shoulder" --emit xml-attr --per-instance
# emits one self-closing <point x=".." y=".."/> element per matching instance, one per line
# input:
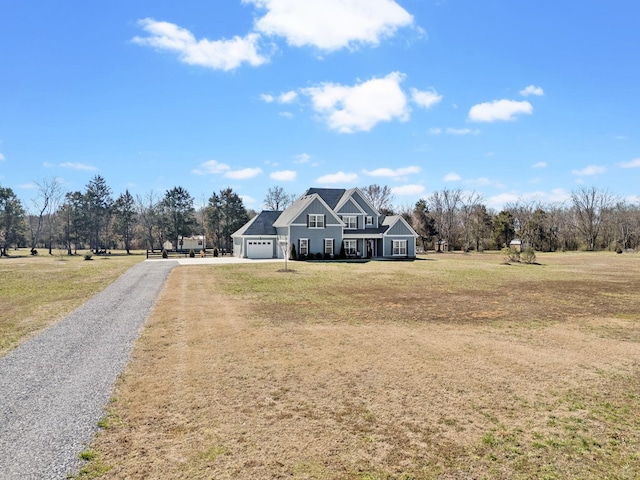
<point x="37" y="291"/>
<point x="454" y="366"/>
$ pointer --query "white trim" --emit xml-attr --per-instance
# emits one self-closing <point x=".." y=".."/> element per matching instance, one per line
<point x="333" y="247"/>
<point x="305" y="225"/>
<point x="300" y="246"/>
<point x="400" y="243"/>
<point x="350" y="199"/>
<point x="316" y="216"/>
<point x="350" y="216"/>
<point x="345" y="240"/>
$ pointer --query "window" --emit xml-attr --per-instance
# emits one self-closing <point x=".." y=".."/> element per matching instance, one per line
<point x="369" y="220"/>
<point x="316" y="221"/>
<point x="304" y="246"/>
<point x="399" y="247"/>
<point x="350" y="222"/>
<point x="350" y="247"/>
<point x="328" y="246"/>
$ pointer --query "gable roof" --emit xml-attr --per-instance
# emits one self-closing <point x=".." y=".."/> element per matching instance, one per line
<point x="331" y="196"/>
<point x="261" y="224"/>
<point x="391" y="220"/>
<point x="297" y="207"/>
<point x="293" y="210"/>
<point x="350" y="195"/>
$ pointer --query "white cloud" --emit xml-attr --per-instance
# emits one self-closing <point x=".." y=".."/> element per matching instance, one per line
<point x="288" y="115"/>
<point x="212" y="167"/>
<point x="556" y="195"/>
<point x="484" y="182"/>
<point x="454" y="131"/>
<point x="28" y="186"/>
<point x="532" y="90"/>
<point x="359" y="108"/>
<point x="215" y="54"/>
<point x="462" y="131"/>
<point x="331" y="24"/>
<point x="284" y="175"/>
<point x="452" y="177"/>
<point x="390" y="173"/>
<point x="302" y="158"/>
<point x="539" y="165"/>
<point x="631" y="164"/>
<point x="243" y="174"/>
<point x="287" y="97"/>
<point x="504" y="110"/>
<point x="408" y="190"/>
<point x="339" y="177"/>
<point x="78" y="166"/>
<point x="425" y="98"/>
<point x="248" y="200"/>
<point x="2" y="157"/>
<point x="590" y="171"/>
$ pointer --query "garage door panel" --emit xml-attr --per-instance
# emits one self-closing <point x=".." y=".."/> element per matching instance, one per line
<point x="260" y="249"/>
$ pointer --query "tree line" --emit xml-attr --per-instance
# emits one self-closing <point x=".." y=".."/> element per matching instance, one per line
<point x="93" y="219"/>
<point x="592" y="219"/>
<point x="453" y="219"/>
<point x="449" y="219"/>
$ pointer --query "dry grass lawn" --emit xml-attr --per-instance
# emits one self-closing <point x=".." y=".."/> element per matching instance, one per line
<point x="37" y="291"/>
<point x="453" y="367"/>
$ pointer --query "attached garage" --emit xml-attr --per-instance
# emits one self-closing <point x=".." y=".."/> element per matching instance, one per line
<point x="260" y="248"/>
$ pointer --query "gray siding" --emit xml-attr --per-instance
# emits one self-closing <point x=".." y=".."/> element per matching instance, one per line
<point x="237" y="246"/>
<point x="316" y="237"/>
<point x="388" y="246"/>
<point x="364" y="205"/>
<point x="349" y="207"/>
<point x="399" y="229"/>
<point x="315" y="208"/>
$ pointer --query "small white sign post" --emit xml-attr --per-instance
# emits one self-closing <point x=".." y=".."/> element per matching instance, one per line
<point x="284" y="246"/>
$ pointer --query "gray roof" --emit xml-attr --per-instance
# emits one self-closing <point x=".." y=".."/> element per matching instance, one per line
<point x="366" y="231"/>
<point x="295" y="209"/>
<point x="262" y="223"/>
<point x="331" y="196"/>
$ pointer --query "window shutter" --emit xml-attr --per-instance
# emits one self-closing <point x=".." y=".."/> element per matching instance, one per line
<point x="308" y="220"/>
<point x="324" y="221"/>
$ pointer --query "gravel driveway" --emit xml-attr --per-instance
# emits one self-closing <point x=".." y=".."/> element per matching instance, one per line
<point x="54" y="388"/>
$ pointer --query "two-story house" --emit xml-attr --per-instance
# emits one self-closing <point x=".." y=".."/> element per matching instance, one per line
<point x="325" y="221"/>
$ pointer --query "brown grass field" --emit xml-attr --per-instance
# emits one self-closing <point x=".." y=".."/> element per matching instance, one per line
<point x="36" y="292"/>
<point x="453" y="366"/>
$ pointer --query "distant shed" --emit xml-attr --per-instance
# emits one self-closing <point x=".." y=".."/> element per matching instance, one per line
<point x="516" y="244"/>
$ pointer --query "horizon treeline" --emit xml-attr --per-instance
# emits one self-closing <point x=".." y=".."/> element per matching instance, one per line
<point x="93" y="219"/>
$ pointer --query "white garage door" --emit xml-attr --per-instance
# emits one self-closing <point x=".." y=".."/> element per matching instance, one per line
<point x="260" y="248"/>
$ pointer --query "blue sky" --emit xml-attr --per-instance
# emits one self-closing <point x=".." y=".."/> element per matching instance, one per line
<point x="524" y="100"/>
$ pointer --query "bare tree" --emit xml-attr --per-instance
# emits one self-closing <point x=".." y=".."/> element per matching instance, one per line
<point x="590" y="206"/>
<point x="277" y="199"/>
<point x="625" y="223"/>
<point x="444" y="206"/>
<point x="468" y="205"/>
<point x="380" y="197"/>
<point x="148" y="210"/>
<point x="46" y="203"/>
<point x="423" y="223"/>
